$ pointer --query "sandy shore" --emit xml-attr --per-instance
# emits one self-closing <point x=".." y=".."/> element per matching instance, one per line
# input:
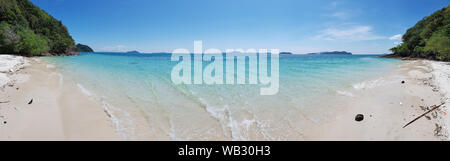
<point x="59" y="110"/>
<point x="388" y="105"/>
<point x="441" y="73"/>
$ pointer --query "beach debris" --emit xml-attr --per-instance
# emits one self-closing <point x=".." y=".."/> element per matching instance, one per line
<point x="403" y="82"/>
<point x="31" y="101"/>
<point x="438" y="130"/>
<point x="434" y="114"/>
<point x="435" y="90"/>
<point x="359" y="117"/>
<point x="5" y="102"/>
<point x="428" y="117"/>
<point x="4" y="122"/>
<point x="434" y="108"/>
<point x="107" y="113"/>
<point x="425" y="108"/>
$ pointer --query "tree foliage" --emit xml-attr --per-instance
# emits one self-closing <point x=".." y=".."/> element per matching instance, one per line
<point x="27" y="30"/>
<point x="31" y="43"/>
<point x="429" y="38"/>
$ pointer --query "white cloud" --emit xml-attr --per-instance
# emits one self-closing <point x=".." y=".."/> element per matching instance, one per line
<point x="356" y="33"/>
<point x="396" y="37"/>
<point x="117" y="48"/>
<point x="341" y="15"/>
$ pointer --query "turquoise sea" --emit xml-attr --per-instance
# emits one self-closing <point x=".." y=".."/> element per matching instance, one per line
<point x="309" y="86"/>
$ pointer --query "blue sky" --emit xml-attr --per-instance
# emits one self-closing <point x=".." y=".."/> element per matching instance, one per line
<point x="299" y="26"/>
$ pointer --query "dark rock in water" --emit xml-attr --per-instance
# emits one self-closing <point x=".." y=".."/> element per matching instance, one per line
<point x="403" y="82"/>
<point x="30" y="102"/>
<point x="359" y="117"/>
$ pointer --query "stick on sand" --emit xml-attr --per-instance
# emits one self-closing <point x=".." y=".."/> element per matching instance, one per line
<point x="434" y="108"/>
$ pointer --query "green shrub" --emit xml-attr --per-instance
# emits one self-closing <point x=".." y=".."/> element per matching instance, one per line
<point x="31" y="43"/>
<point x="401" y="50"/>
<point x="440" y="45"/>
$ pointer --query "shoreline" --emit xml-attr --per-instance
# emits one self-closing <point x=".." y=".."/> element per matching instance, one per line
<point x="388" y="105"/>
<point x="62" y="109"/>
<point x="59" y="111"/>
<point x="441" y="73"/>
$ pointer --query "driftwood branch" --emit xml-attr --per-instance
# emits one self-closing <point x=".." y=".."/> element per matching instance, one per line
<point x="5" y="102"/>
<point x="434" y="108"/>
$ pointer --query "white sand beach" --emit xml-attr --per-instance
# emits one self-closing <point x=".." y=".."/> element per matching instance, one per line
<point x="58" y="111"/>
<point x="390" y="105"/>
<point x="61" y="110"/>
<point x="441" y="72"/>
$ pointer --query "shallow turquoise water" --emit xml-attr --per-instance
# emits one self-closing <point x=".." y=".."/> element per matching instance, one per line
<point x="238" y="112"/>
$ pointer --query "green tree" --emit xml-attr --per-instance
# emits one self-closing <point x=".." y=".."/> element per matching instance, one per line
<point x="439" y="44"/>
<point x="18" y="18"/>
<point x="31" y="43"/>
<point x="429" y="38"/>
<point x="8" y="38"/>
<point x="401" y="50"/>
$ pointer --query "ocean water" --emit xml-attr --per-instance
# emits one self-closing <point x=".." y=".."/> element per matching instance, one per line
<point x="309" y="92"/>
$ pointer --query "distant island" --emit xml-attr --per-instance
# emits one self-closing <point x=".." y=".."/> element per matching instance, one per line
<point x="133" y="52"/>
<point x="84" y="48"/>
<point x="285" y="53"/>
<point x="27" y="30"/>
<point x="332" y="53"/>
<point x="429" y="38"/>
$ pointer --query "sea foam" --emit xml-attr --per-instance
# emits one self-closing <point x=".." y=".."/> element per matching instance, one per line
<point x="345" y="93"/>
<point x="84" y="90"/>
<point x="369" y="84"/>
